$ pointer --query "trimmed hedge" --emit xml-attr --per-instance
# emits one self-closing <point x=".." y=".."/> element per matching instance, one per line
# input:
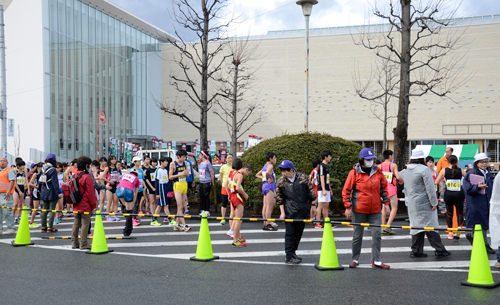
<point x="302" y="149"/>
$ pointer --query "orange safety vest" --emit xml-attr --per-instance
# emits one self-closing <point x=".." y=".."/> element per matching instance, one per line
<point x="4" y="183"/>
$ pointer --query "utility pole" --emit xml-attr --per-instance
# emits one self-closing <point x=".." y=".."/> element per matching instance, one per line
<point x="3" y="86"/>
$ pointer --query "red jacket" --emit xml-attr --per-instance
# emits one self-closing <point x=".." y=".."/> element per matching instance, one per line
<point x="89" y="200"/>
<point x="365" y="192"/>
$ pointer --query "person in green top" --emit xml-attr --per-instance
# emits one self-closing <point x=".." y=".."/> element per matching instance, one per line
<point x="223" y="173"/>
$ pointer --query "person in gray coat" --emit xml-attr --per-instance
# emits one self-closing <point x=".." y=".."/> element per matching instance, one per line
<point x="422" y="204"/>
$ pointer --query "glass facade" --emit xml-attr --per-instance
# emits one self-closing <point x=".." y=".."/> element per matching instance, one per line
<point x="92" y="62"/>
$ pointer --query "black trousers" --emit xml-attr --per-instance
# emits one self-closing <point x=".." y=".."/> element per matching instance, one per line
<point x="128" y="222"/>
<point x="205" y="189"/>
<point x="417" y="240"/>
<point x="137" y="204"/>
<point x="454" y="201"/>
<point x="293" y="235"/>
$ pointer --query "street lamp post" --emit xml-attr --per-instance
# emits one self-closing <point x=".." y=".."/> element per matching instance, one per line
<point x="306" y="10"/>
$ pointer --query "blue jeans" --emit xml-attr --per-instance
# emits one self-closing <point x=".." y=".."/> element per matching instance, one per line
<point x="9" y="218"/>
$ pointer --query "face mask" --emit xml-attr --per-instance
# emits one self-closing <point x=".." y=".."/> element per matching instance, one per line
<point x="368" y="163"/>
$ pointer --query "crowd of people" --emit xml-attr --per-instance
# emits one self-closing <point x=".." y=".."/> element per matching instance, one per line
<point x="369" y="194"/>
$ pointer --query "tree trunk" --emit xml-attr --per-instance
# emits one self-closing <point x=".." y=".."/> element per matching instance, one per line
<point x="234" y="131"/>
<point x="385" y="121"/>
<point x="204" y="80"/>
<point x="401" y="132"/>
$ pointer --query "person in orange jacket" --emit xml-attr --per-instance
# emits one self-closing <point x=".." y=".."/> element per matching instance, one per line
<point x="364" y="190"/>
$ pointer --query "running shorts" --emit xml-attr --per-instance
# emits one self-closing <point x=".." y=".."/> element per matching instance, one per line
<point x="125" y="193"/>
<point x="163" y="193"/>
<point x="322" y="198"/>
<point x="113" y="188"/>
<point x="23" y="194"/>
<point x="225" y="200"/>
<point x="266" y="188"/>
<point x="181" y="187"/>
<point x="236" y="199"/>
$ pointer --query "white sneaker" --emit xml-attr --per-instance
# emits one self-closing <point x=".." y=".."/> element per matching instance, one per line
<point x="201" y="212"/>
<point x="10" y="231"/>
<point x="207" y="213"/>
<point x="187" y="228"/>
<point x="178" y="228"/>
<point x="274" y="224"/>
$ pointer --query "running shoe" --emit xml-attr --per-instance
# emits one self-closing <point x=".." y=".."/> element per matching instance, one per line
<point x="155" y="223"/>
<point x="223" y="222"/>
<point x="186" y="212"/>
<point x="172" y="222"/>
<point x="147" y="213"/>
<point x="178" y="228"/>
<point x="57" y="221"/>
<point x="318" y="226"/>
<point x="34" y="225"/>
<point x="230" y="233"/>
<point x="135" y="222"/>
<point x="274" y="224"/>
<point x="451" y="235"/>
<point x="187" y="228"/>
<point x="110" y="218"/>
<point x="242" y="239"/>
<point x="91" y="234"/>
<point x="207" y="213"/>
<point x="166" y="220"/>
<point x="457" y="235"/>
<point x="388" y="231"/>
<point x="269" y="228"/>
<point x="201" y="212"/>
<point x="117" y="218"/>
<point x="239" y="244"/>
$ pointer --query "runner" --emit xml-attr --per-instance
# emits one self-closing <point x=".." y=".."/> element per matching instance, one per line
<point x="111" y="176"/>
<point x="170" y="195"/>
<point x="391" y="173"/>
<point x="145" y="198"/>
<point x="103" y="164"/>
<point x="35" y="193"/>
<point x="161" y="182"/>
<point x="150" y="177"/>
<point x="324" y="192"/>
<point x="19" y="189"/>
<point x="454" y="195"/>
<point x="140" y="174"/>
<point x="60" y="202"/>
<point x="178" y="173"/>
<point x="190" y="183"/>
<point x="236" y="165"/>
<point x="206" y="181"/>
<point x="70" y="172"/>
<point x="313" y="177"/>
<point x="127" y="191"/>
<point x="237" y="197"/>
<point x="268" y="190"/>
<point x="223" y="173"/>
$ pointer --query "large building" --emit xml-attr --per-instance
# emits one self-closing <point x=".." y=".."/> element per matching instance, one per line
<point x="472" y="117"/>
<point x="67" y="60"/>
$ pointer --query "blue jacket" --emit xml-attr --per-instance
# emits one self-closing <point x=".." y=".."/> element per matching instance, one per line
<point x="49" y="190"/>
<point x="477" y="205"/>
<point x="191" y="176"/>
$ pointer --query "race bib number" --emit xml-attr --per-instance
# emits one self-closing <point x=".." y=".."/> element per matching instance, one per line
<point x="153" y="176"/>
<point x="61" y="183"/>
<point x="165" y="177"/>
<point x="388" y="176"/>
<point x="327" y="178"/>
<point x="129" y="178"/>
<point x="21" y="180"/>
<point x="264" y="176"/>
<point x="436" y="187"/>
<point x="202" y="173"/>
<point x="453" y="185"/>
<point x="114" y="177"/>
<point x="182" y="178"/>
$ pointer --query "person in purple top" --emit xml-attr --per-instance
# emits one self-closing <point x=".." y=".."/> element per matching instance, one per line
<point x="268" y="190"/>
<point x="206" y="181"/>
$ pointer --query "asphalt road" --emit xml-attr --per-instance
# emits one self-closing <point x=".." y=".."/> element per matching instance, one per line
<point x="155" y="268"/>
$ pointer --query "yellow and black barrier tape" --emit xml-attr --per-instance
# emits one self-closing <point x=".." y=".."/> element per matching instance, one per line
<point x="90" y="237"/>
<point x="344" y="223"/>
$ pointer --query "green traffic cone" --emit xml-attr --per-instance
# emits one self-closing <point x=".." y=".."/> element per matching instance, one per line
<point x="99" y="245"/>
<point x="328" y="259"/>
<point x="479" y="270"/>
<point x="23" y="231"/>
<point x="204" y="250"/>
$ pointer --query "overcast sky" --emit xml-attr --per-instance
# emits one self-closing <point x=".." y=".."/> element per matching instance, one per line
<point x="257" y="17"/>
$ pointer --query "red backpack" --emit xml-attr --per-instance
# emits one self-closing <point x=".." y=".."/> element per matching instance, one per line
<point x="71" y="190"/>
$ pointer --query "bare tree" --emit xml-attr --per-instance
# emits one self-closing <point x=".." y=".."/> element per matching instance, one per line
<point x="197" y="62"/>
<point x="17" y="141"/>
<point x="427" y="61"/>
<point x="235" y="108"/>
<point x="379" y="88"/>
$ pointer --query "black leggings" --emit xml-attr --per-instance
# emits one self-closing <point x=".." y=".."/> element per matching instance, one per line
<point x="454" y="201"/>
<point x="205" y="189"/>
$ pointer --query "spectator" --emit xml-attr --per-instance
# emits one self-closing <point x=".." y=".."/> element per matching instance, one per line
<point x="7" y="182"/>
<point x="493" y="171"/>
<point x="495" y="219"/>
<point x="48" y="184"/>
<point x="87" y="204"/>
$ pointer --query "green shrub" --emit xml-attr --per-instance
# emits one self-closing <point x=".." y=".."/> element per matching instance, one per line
<point x="302" y="149"/>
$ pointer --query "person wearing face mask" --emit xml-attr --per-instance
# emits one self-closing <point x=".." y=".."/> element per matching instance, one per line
<point x="363" y="190"/>
<point x="478" y="187"/>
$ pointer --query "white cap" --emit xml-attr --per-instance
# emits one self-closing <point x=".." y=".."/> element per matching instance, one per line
<point x="417" y="153"/>
<point x="136" y="159"/>
<point x="481" y="156"/>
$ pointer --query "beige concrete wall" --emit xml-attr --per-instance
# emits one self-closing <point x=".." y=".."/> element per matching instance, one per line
<point x="333" y="106"/>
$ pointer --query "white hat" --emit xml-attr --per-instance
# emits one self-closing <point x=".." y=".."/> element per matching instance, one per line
<point x="417" y="153"/>
<point x="137" y="158"/>
<point x="481" y="156"/>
